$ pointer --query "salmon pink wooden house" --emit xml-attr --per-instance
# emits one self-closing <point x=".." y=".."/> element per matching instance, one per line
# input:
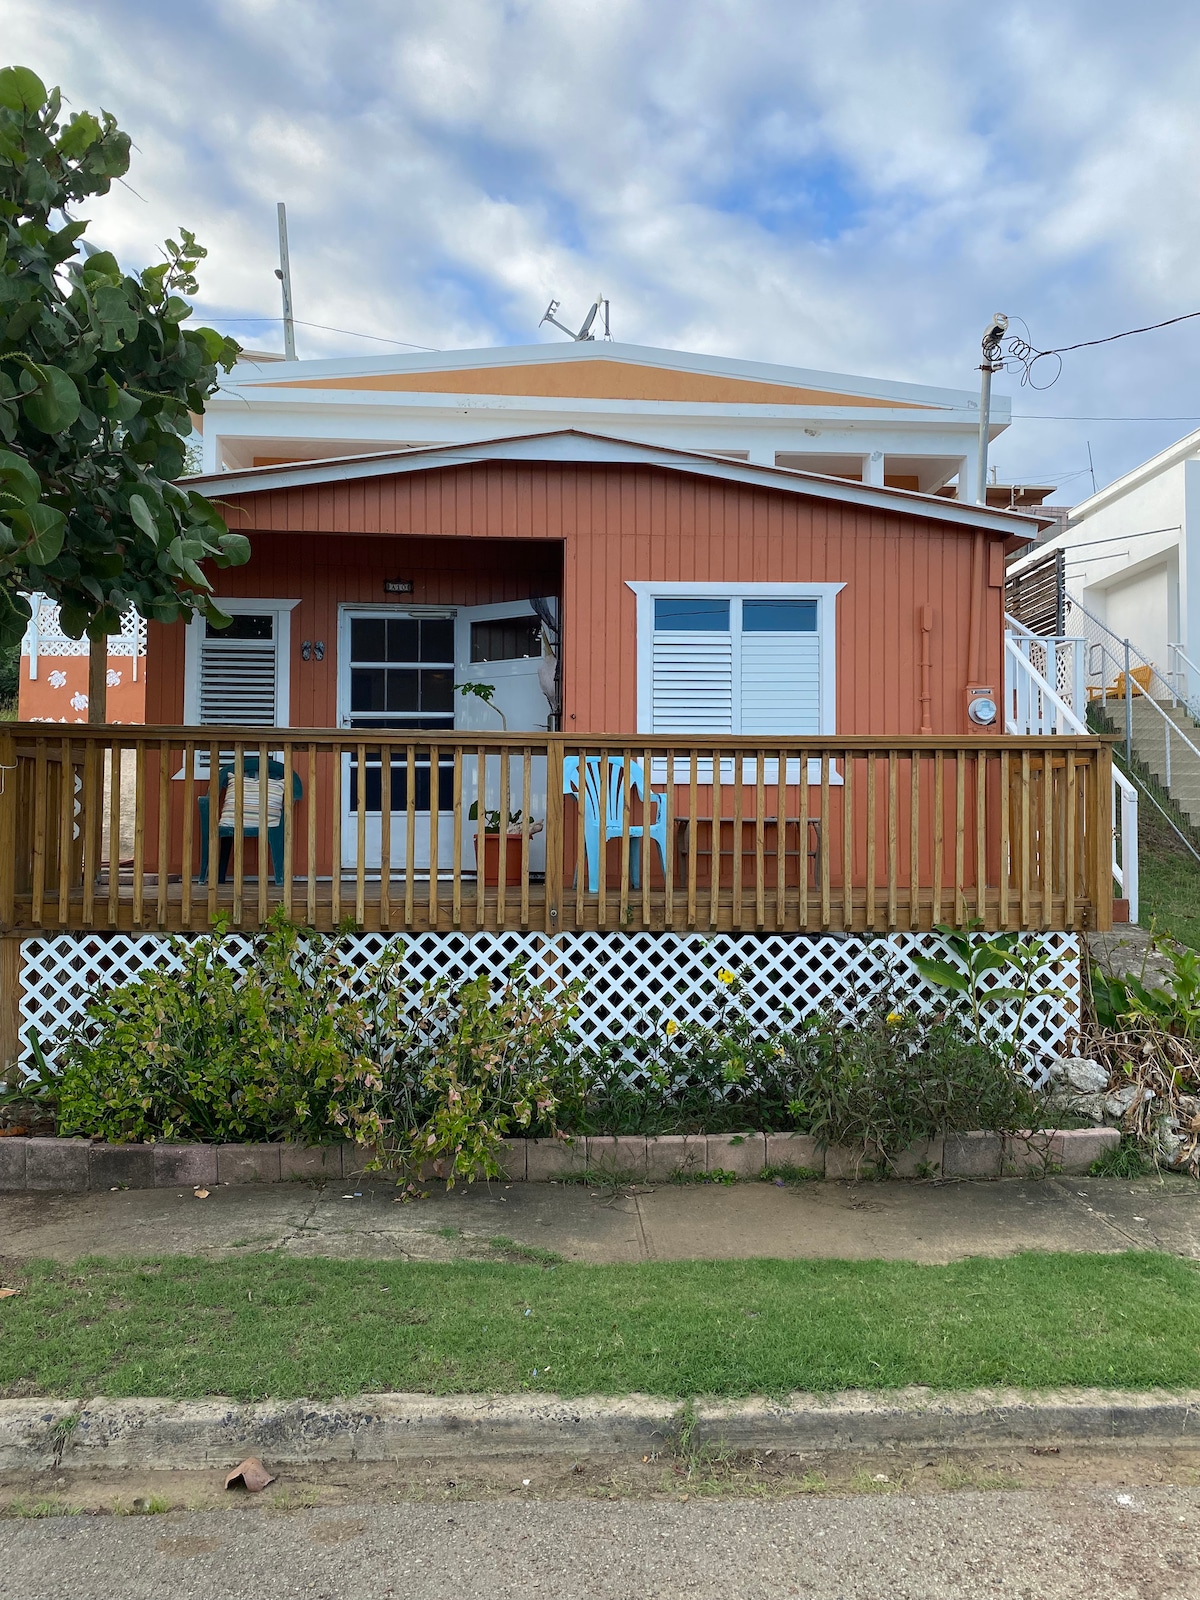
<point x="631" y="712"/>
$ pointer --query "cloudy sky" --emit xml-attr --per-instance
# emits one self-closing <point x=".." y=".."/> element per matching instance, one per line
<point x="849" y="185"/>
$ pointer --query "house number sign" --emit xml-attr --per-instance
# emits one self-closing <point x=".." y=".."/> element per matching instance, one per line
<point x="397" y="586"/>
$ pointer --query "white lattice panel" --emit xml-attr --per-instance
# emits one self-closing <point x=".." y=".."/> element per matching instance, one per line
<point x="44" y="635"/>
<point x="632" y="983"/>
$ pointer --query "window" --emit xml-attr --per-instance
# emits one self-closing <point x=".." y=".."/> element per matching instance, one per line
<point x="506" y="639"/>
<point x="401" y="672"/>
<point x="238" y="676"/>
<point x="753" y="659"/>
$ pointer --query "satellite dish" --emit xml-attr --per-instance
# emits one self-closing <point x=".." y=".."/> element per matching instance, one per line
<point x="585" y="334"/>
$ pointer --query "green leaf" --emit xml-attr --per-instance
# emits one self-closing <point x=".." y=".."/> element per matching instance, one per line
<point x="54" y="405"/>
<point x="21" y="89"/>
<point x="143" y="516"/>
<point x="941" y="973"/>
<point x="48" y="528"/>
<point x="234" y="548"/>
<point x="17" y="478"/>
<point x="14" y="617"/>
<point x="78" y="136"/>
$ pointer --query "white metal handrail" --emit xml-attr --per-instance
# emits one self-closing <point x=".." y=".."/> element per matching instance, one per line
<point x="1181" y="667"/>
<point x="1032" y="706"/>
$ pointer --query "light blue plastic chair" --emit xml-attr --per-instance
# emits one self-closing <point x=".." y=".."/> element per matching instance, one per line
<point x="614" y="822"/>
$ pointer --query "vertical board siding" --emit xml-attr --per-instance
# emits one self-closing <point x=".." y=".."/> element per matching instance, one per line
<point x="584" y="531"/>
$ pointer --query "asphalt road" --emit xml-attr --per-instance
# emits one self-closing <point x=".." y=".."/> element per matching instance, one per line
<point x="1104" y="1544"/>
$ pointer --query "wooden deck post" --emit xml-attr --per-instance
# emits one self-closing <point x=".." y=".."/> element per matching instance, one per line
<point x="554" y="834"/>
<point x="10" y="1006"/>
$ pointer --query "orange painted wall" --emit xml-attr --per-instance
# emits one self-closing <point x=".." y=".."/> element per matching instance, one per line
<point x="329" y="543"/>
<point x="59" y="692"/>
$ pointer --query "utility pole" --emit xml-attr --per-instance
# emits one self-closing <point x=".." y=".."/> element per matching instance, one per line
<point x="284" y="273"/>
<point x="992" y="362"/>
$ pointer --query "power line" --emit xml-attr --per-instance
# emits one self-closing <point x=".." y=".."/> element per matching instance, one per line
<point x="1042" y="416"/>
<point x="350" y="333"/>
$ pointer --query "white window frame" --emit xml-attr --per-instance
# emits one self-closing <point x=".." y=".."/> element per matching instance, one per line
<point x="825" y="594"/>
<point x="281" y="610"/>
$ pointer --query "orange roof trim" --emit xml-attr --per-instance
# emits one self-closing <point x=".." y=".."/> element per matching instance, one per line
<point x="594" y="379"/>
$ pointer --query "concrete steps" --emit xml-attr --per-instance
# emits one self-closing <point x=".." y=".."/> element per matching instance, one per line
<point x="1149" y="735"/>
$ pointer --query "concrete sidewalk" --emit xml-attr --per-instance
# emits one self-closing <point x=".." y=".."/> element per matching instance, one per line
<point x="923" y="1222"/>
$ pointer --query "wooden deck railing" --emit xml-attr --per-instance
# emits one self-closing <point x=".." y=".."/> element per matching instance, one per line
<point x="112" y="827"/>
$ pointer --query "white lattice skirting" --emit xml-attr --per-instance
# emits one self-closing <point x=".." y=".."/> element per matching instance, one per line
<point x="632" y="983"/>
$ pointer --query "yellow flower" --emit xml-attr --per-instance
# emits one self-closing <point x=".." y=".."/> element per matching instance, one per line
<point x="726" y="976"/>
<point x="672" y="1026"/>
<point x="894" y="1017"/>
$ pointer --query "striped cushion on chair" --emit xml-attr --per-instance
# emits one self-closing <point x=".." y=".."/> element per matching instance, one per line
<point x="250" y="814"/>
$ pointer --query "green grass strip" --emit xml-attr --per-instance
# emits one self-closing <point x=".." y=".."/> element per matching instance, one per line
<point x="268" y="1326"/>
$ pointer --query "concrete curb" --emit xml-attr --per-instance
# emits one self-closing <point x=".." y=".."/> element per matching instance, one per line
<point x="38" y="1435"/>
<point x="78" y="1166"/>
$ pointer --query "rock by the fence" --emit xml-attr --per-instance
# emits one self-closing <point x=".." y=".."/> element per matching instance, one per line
<point x="670" y="1154"/>
<point x="923" y="1159"/>
<point x="12" y="1162"/>
<point x="247" y="1163"/>
<point x="1080" y="1073"/>
<point x="972" y="1155"/>
<point x="315" y="1163"/>
<point x="56" y="1164"/>
<point x="1077" y="1105"/>
<point x="795" y="1150"/>
<point x="1120" y="1101"/>
<point x="121" y="1166"/>
<point x="185" y="1166"/>
<point x="555" y="1158"/>
<point x="743" y="1153"/>
<point x="619" y="1156"/>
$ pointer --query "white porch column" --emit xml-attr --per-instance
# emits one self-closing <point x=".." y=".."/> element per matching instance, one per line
<point x="872" y="469"/>
<point x="967" y="473"/>
<point x="1189" y="563"/>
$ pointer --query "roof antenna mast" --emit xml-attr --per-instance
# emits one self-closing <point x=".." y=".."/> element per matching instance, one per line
<point x="284" y="273"/>
<point x="585" y="334"/>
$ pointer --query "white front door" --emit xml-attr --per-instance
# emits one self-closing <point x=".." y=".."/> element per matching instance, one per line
<point x="398" y="669"/>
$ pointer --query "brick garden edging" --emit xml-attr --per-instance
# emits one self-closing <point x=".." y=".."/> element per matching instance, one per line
<point x="77" y="1165"/>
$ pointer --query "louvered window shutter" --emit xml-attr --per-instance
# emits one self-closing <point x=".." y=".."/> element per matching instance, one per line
<point x="693" y="682"/>
<point x="239" y="677"/>
<point x="781" y="683"/>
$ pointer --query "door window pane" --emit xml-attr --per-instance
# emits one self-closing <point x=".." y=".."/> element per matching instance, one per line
<point x="368" y="636"/>
<point x="779" y="616"/>
<point x="437" y="639"/>
<point x="368" y="689"/>
<point x="691" y="615"/>
<point x="506" y="639"/>
<point x="402" y="639"/>
<point x="402" y="689"/>
<point x="437" y="689"/>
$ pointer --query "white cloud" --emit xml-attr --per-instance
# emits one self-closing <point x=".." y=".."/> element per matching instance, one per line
<point x="847" y="184"/>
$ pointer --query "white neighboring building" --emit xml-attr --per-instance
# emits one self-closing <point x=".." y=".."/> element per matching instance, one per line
<point x="1133" y="556"/>
<point x="899" y="435"/>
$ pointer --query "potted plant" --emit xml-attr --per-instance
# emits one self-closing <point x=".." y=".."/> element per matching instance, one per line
<point x="489" y="869"/>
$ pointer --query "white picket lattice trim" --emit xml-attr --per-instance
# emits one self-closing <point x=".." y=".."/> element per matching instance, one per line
<point x="44" y="635"/>
<point x="632" y="983"/>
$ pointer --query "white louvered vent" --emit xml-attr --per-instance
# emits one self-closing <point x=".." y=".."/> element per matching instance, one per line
<point x="780" y="683"/>
<point x="238" y="682"/>
<point x="693" y="683"/>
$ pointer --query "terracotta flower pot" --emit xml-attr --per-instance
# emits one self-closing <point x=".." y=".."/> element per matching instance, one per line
<point x="490" y="874"/>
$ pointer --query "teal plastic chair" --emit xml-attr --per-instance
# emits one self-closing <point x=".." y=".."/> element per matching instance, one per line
<point x="225" y="832"/>
<point x="655" y="827"/>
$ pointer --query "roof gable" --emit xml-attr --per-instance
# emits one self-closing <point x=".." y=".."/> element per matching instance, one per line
<point x="570" y="446"/>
